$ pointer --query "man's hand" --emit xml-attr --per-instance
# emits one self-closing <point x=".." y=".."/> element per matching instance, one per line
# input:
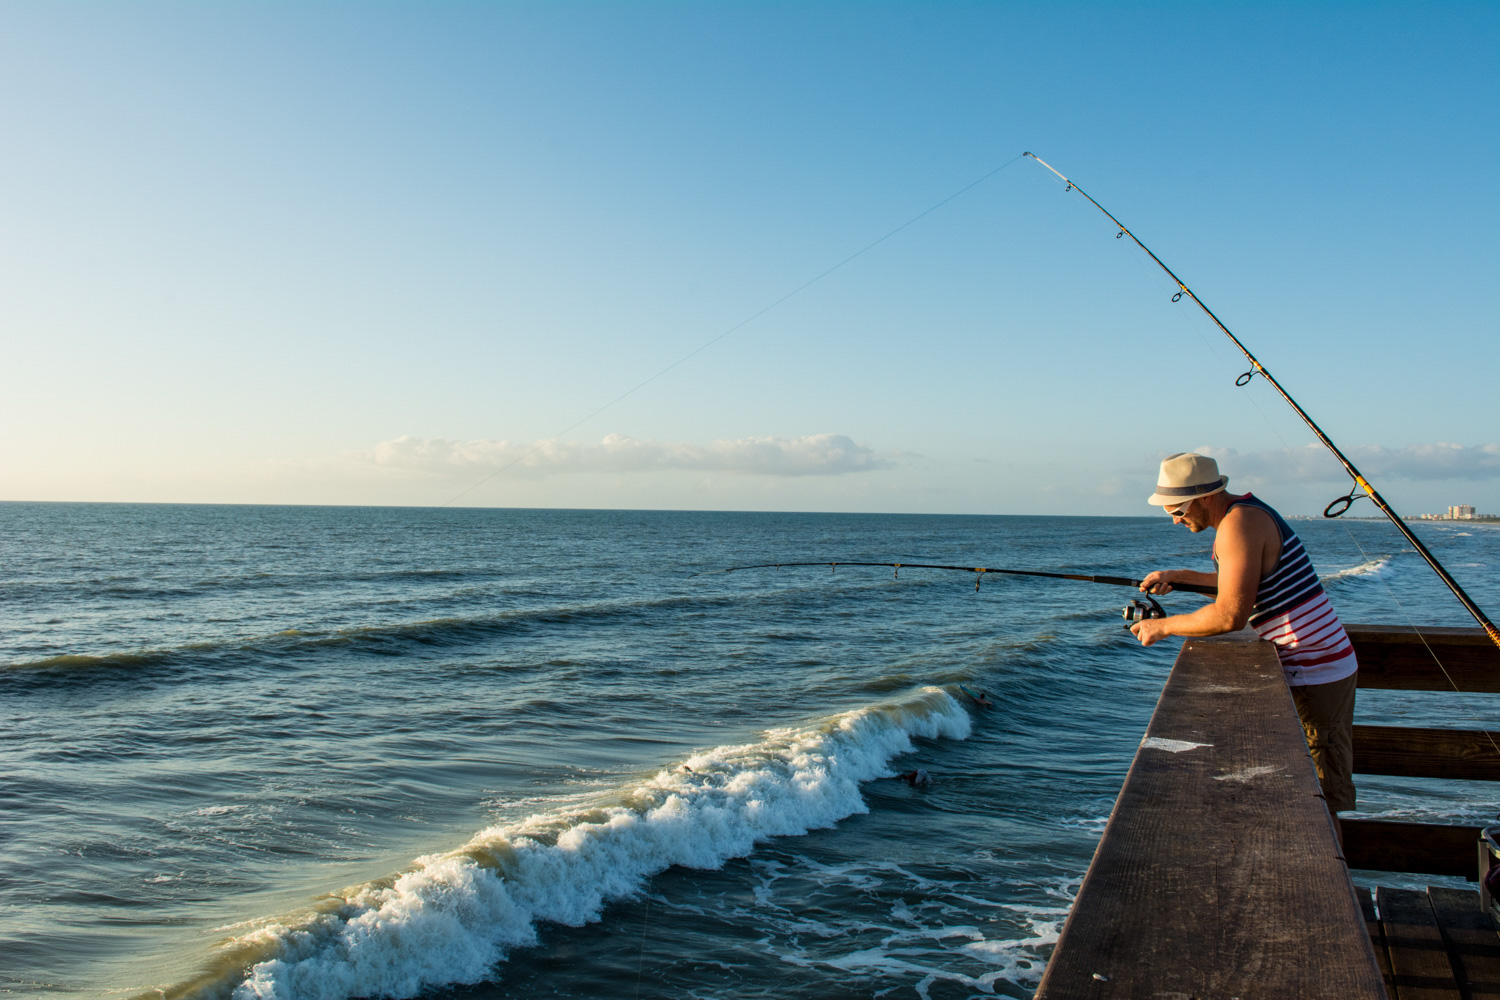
<point x="1157" y="583"/>
<point x="1150" y="630"/>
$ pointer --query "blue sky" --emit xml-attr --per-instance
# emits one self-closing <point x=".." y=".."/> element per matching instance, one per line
<point x="368" y="253"/>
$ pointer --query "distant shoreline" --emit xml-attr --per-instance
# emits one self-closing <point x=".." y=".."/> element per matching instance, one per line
<point x="1491" y="519"/>
<point x="1476" y="519"/>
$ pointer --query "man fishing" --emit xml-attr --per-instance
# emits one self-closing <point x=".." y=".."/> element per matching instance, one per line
<point x="1264" y="578"/>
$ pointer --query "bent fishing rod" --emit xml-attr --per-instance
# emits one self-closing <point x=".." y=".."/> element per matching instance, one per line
<point x="1343" y="503"/>
<point x="1135" y="610"/>
<point x="978" y="571"/>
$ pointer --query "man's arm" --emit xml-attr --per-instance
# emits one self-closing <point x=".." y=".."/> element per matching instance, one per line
<point x="1161" y="581"/>
<point x="1241" y="547"/>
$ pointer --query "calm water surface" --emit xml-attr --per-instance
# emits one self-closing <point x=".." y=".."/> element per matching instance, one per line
<point x="335" y="752"/>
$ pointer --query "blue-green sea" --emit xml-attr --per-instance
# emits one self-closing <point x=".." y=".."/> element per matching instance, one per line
<point x="313" y="752"/>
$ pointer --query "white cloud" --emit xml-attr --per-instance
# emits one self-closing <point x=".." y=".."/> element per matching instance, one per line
<point x="1315" y="463"/>
<point x="813" y="455"/>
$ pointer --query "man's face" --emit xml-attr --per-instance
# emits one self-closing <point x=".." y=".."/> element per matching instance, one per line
<point x="1190" y="514"/>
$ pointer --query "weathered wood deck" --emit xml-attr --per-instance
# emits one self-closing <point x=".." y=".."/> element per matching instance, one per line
<point x="1434" y="945"/>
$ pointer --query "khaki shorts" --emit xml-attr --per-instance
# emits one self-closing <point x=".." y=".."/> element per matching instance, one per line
<point x="1327" y="714"/>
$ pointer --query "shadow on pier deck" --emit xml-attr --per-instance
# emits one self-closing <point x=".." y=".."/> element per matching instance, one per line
<point x="1220" y="874"/>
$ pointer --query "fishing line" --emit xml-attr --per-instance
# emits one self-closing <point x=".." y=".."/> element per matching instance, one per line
<point x="1362" y="489"/>
<point x="640" y="967"/>
<point x="1473" y="717"/>
<point x="1247" y="391"/>
<point x="1214" y="347"/>
<point x="742" y="324"/>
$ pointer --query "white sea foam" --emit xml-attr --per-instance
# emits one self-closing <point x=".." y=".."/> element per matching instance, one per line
<point x="1373" y="568"/>
<point x="1022" y="960"/>
<point x="454" y="916"/>
<point x="1093" y="824"/>
<point x="924" y="933"/>
<point x="1466" y="806"/>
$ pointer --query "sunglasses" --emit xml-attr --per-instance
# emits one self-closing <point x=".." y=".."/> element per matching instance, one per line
<point x="1181" y="510"/>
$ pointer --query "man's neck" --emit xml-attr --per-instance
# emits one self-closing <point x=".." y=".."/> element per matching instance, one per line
<point x="1218" y="505"/>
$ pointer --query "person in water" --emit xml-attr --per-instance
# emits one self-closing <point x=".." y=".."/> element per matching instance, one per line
<point x="916" y="778"/>
<point x="1264" y="578"/>
<point x="978" y="699"/>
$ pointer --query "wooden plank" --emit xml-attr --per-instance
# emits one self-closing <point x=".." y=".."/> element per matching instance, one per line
<point x="1469" y="935"/>
<point x="1422" y="848"/>
<point x="1219" y="874"/>
<point x="1377" y="937"/>
<point x="1397" y="656"/>
<point x="1419" y="959"/>
<point x="1426" y="753"/>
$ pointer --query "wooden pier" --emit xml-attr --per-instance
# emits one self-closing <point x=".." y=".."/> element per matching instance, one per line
<point x="1220" y="874"/>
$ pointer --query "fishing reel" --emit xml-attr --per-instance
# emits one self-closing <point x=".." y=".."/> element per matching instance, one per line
<point x="1140" y="610"/>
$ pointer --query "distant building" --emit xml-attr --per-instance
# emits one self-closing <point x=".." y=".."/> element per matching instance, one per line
<point x="1457" y="512"/>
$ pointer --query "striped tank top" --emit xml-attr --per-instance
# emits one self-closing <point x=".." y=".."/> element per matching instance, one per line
<point x="1292" y="611"/>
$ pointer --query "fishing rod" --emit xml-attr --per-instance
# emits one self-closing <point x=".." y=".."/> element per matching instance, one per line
<point x="1341" y="504"/>
<point x="978" y="571"/>
<point x="1135" y="610"/>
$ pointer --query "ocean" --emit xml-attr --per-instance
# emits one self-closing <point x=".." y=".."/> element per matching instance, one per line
<point x="315" y="752"/>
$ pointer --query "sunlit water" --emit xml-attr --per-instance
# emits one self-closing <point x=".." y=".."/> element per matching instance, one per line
<point x="230" y="734"/>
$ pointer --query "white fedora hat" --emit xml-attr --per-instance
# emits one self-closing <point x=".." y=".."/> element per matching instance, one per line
<point x="1186" y="476"/>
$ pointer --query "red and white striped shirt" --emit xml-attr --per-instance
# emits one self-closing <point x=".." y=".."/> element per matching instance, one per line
<point x="1293" y="612"/>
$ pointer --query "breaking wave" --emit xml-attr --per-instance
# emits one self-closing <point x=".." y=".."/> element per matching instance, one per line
<point x="453" y="917"/>
<point x="1376" y="568"/>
